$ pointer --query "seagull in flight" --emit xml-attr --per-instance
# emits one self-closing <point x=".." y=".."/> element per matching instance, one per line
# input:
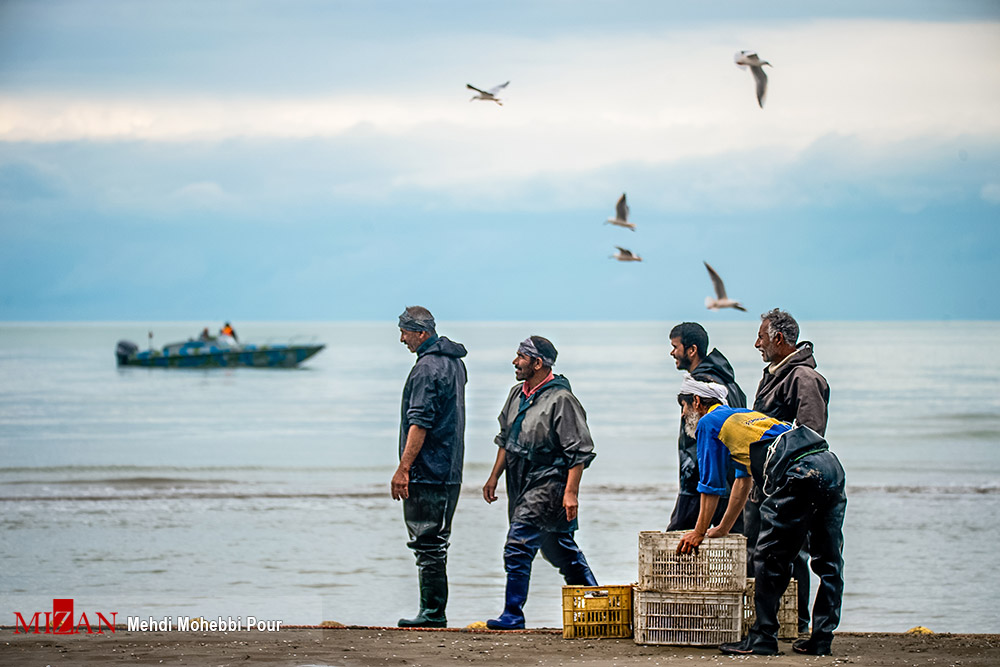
<point x="750" y="59"/>
<point x="488" y="95"/>
<point x="721" y="300"/>
<point x="621" y="215"/>
<point x="625" y="255"/>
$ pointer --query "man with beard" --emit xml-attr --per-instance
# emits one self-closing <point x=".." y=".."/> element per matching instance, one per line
<point x="544" y="445"/>
<point x="804" y="487"/>
<point x="688" y="347"/>
<point x="431" y="452"/>
<point x="793" y="391"/>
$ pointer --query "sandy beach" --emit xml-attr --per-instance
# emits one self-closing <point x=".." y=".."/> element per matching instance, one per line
<point x="350" y="647"/>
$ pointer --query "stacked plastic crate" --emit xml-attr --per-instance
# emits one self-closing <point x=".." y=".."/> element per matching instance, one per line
<point x="689" y="599"/>
<point x="788" y="610"/>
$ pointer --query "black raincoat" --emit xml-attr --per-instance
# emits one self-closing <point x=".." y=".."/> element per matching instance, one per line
<point x="434" y="398"/>
<point x="713" y="368"/>
<point x="551" y="438"/>
<point x="805" y="499"/>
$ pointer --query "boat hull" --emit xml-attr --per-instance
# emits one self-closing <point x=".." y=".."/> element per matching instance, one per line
<point x="263" y="356"/>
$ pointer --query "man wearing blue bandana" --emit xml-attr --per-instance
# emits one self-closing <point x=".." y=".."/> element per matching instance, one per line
<point x="544" y="445"/>
<point x="431" y="452"/>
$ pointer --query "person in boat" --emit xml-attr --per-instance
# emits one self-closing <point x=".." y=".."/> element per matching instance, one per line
<point x="543" y="446"/>
<point x="228" y="330"/>
<point x="804" y="495"/>
<point x="431" y="454"/>
<point x="205" y="336"/>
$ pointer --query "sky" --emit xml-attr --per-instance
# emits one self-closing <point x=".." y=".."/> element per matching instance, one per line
<point x="322" y="160"/>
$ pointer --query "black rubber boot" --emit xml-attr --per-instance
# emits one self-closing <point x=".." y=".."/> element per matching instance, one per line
<point x="753" y="645"/>
<point x="433" y="599"/>
<point x="813" y="646"/>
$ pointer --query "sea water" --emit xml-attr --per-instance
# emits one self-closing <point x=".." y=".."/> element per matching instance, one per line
<point x="263" y="492"/>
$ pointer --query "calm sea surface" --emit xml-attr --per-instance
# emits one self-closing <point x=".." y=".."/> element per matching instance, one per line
<point x="165" y="492"/>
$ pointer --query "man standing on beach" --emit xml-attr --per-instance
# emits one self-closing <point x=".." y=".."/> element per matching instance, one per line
<point x="793" y="391"/>
<point x="804" y="487"/>
<point x="544" y="445"/>
<point x="688" y="346"/>
<point x="431" y="451"/>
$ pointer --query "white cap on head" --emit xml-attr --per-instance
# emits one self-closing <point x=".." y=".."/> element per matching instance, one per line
<point x="704" y="389"/>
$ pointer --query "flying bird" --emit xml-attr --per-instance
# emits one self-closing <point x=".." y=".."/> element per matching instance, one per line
<point x="625" y="255"/>
<point x="488" y="95"/>
<point x="750" y="59"/>
<point x="621" y="215"/>
<point x="721" y="300"/>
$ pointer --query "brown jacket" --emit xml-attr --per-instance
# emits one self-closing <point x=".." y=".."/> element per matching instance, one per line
<point x="793" y="391"/>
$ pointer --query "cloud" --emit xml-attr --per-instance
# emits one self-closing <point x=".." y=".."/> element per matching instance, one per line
<point x="203" y="195"/>
<point x="661" y="113"/>
<point x="991" y="193"/>
<point x="24" y="182"/>
<point x="635" y="93"/>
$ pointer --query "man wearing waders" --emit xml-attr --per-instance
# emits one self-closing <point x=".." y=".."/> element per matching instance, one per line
<point x="431" y="451"/>
<point x="803" y="485"/>
<point x="544" y="445"/>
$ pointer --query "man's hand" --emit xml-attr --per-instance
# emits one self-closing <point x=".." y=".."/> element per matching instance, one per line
<point x="414" y="443"/>
<point x="717" y="531"/>
<point x="401" y="484"/>
<point x="572" y="505"/>
<point x="490" y="489"/>
<point x="689" y="543"/>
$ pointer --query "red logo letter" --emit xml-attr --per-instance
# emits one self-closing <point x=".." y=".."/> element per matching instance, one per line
<point x="18" y="617"/>
<point x="111" y="625"/>
<point x="62" y="616"/>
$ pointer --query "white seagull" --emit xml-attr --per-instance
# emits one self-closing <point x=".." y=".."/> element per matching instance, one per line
<point x="621" y="215"/>
<point x="721" y="300"/>
<point x="488" y="95"/>
<point x="625" y="255"/>
<point x="750" y="59"/>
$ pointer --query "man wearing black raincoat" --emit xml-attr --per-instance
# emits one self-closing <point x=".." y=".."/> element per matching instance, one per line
<point x="689" y="343"/>
<point x="544" y="445"/>
<point x="431" y="453"/>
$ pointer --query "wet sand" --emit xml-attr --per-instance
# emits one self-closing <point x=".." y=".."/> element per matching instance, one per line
<point x="355" y="647"/>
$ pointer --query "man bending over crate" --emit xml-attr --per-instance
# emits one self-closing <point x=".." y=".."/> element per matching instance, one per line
<point x="543" y="446"/>
<point x="803" y="482"/>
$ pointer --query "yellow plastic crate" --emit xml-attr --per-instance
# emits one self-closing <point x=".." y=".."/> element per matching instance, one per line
<point x="597" y="611"/>
<point x="788" y="610"/>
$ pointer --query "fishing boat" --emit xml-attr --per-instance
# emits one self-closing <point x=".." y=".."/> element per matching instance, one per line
<point x="216" y="352"/>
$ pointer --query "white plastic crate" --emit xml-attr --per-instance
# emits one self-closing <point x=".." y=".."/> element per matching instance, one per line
<point x="687" y="618"/>
<point x="788" y="610"/>
<point x="719" y="565"/>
